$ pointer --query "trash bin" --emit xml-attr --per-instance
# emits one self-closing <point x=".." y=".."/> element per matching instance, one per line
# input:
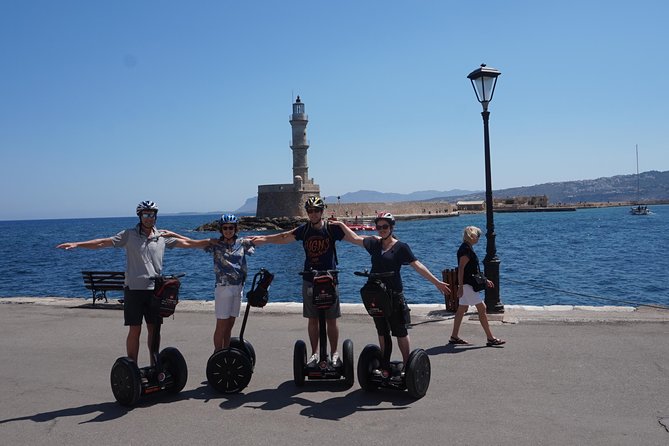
<point x="450" y="276"/>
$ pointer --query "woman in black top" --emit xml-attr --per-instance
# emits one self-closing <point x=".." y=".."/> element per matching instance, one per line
<point x="468" y="266"/>
<point x="389" y="254"/>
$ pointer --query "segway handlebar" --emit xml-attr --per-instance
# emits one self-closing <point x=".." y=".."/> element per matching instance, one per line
<point x="366" y="273"/>
<point x="318" y="272"/>
<point x="167" y="276"/>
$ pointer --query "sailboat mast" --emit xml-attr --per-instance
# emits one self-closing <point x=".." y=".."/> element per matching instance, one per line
<point x="638" y="183"/>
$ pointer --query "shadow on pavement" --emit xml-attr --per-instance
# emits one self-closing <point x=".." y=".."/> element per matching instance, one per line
<point x="108" y="411"/>
<point x="450" y="349"/>
<point x="335" y="408"/>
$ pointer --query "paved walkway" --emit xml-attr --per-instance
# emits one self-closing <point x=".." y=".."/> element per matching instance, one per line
<point x="568" y="376"/>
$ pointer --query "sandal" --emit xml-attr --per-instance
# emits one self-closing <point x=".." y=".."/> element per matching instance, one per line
<point x="457" y="341"/>
<point x="495" y="341"/>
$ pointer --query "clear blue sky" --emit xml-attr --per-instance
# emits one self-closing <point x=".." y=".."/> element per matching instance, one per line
<point x="107" y="103"/>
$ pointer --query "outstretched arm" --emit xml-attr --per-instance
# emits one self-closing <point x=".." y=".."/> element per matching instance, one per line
<point x="349" y="235"/>
<point x="88" y="244"/>
<point x="172" y="234"/>
<point x="185" y="242"/>
<point x="423" y="271"/>
<point x="282" y="238"/>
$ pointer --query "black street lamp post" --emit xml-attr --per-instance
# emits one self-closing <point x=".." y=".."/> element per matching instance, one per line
<point x="484" y="80"/>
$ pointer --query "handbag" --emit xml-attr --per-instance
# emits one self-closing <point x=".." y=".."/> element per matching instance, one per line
<point x="376" y="298"/>
<point x="166" y="294"/>
<point x="324" y="291"/>
<point x="480" y="281"/>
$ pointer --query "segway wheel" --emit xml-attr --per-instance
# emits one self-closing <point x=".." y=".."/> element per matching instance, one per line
<point x="229" y="370"/>
<point x="369" y="360"/>
<point x="299" y="362"/>
<point x="347" y="362"/>
<point x="174" y="364"/>
<point x="245" y="346"/>
<point x="417" y="373"/>
<point x="126" y="381"/>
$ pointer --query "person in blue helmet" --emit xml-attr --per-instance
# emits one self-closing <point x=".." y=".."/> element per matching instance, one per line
<point x="144" y="247"/>
<point x="230" y="268"/>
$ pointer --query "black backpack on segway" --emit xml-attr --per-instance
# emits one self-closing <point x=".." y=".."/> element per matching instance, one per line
<point x="229" y="370"/>
<point x="169" y="372"/>
<point x="375" y="369"/>
<point x="324" y="297"/>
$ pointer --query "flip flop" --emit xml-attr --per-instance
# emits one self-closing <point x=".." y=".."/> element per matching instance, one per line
<point x="495" y="341"/>
<point x="457" y="341"/>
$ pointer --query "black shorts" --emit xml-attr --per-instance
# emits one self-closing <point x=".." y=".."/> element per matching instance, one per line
<point x="396" y="323"/>
<point x="140" y="304"/>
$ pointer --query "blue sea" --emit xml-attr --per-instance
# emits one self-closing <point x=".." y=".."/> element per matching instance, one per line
<point x="596" y="257"/>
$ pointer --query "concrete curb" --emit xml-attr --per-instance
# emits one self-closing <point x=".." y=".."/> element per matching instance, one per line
<point x="513" y="313"/>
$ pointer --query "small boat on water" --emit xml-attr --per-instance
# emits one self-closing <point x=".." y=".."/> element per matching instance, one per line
<point x="356" y="225"/>
<point x="638" y="209"/>
<point x="360" y="227"/>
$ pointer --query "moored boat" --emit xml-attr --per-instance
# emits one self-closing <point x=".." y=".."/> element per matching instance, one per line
<point x="638" y="209"/>
<point x="356" y="225"/>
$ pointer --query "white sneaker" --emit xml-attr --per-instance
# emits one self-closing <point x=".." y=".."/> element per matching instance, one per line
<point x="313" y="360"/>
<point x="335" y="359"/>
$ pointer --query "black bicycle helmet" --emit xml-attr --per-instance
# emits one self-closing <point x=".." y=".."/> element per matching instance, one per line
<point x="314" y="202"/>
<point x="147" y="206"/>
<point x="385" y="216"/>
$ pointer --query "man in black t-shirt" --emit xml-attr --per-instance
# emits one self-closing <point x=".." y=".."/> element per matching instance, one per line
<point x="318" y="239"/>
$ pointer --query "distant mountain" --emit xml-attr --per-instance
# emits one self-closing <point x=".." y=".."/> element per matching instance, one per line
<point x="249" y="206"/>
<point x="369" y="196"/>
<point x="372" y="196"/>
<point x="654" y="185"/>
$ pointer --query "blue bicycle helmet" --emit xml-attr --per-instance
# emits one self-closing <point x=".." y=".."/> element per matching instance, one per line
<point x="229" y="219"/>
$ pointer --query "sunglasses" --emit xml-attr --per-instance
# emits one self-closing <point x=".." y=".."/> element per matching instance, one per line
<point x="314" y="211"/>
<point x="380" y="227"/>
<point x="228" y="228"/>
<point x="148" y="215"/>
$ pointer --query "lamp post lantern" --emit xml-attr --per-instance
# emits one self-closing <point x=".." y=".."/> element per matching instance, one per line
<point x="484" y="80"/>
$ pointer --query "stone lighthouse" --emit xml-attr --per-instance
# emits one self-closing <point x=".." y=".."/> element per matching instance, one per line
<point x="287" y="200"/>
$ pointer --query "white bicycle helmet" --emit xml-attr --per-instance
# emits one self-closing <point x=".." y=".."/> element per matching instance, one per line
<point x="147" y="206"/>
<point x="385" y="216"/>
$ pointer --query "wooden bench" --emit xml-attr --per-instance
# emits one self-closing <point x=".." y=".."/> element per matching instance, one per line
<point x="99" y="282"/>
<point x="450" y="276"/>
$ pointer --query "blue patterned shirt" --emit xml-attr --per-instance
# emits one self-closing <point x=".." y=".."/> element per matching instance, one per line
<point x="230" y="260"/>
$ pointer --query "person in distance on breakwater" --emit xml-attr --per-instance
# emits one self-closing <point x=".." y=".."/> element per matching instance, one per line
<point x="468" y="267"/>
<point x="318" y="239"/>
<point x="229" y="253"/>
<point x="389" y="254"/>
<point x="144" y="249"/>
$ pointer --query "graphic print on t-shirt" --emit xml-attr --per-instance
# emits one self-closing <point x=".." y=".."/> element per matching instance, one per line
<point x="315" y="247"/>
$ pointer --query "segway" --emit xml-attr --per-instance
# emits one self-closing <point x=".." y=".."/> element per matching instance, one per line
<point x="229" y="370"/>
<point x="375" y="369"/>
<point x="169" y="372"/>
<point x="324" y="297"/>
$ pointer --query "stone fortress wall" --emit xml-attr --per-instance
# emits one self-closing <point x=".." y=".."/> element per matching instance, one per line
<point x="405" y="208"/>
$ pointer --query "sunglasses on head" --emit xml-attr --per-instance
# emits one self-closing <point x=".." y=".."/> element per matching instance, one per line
<point x="380" y="227"/>
<point x="228" y="228"/>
